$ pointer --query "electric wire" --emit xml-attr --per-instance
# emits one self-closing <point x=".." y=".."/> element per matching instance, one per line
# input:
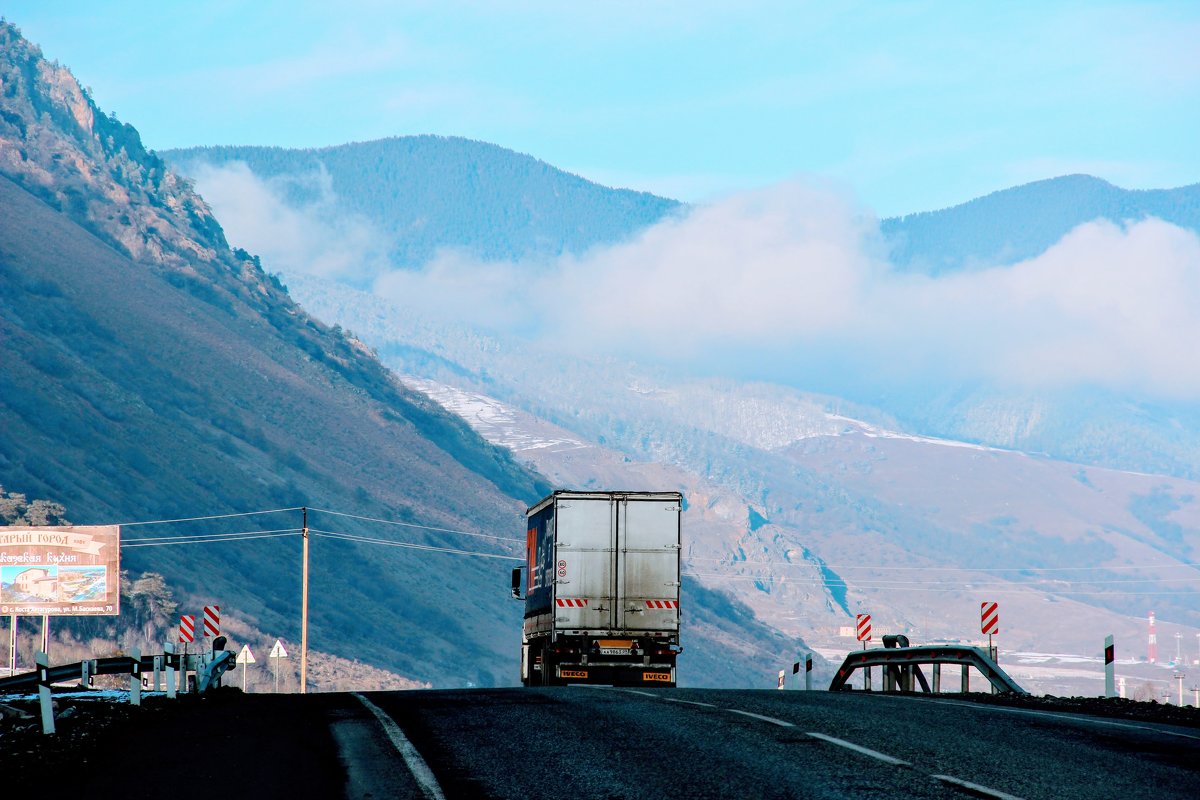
<point x="211" y="516"/>
<point x="407" y="545"/>
<point x="212" y="538"/>
<point x="415" y="525"/>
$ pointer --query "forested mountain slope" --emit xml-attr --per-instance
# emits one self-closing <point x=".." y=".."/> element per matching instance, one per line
<point x="149" y="372"/>
<point x="432" y="192"/>
<point x="1014" y="224"/>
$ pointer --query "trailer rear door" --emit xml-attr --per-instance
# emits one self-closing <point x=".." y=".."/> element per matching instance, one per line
<point x="583" y="584"/>
<point x="648" y="564"/>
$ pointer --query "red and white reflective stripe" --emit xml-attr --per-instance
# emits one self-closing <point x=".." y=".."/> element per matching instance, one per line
<point x="864" y="627"/>
<point x="187" y="628"/>
<point x="571" y="602"/>
<point x="212" y="620"/>
<point x="662" y="604"/>
<point x="989" y="618"/>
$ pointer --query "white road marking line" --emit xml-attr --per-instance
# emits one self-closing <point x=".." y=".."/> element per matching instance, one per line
<point x="643" y="694"/>
<point x="416" y="765"/>
<point x="1085" y="718"/>
<point x="689" y="702"/>
<point x="771" y="720"/>
<point x="975" y="788"/>
<point x="866" y="751"/>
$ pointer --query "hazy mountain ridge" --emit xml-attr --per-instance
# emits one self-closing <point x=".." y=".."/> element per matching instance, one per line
<point x="809" y="532"/>
<point x="428" y="193"/>
<point x="1018" y="223"/>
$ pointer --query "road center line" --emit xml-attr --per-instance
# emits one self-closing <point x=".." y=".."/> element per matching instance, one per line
<point x="975" y="788"/>
<point x="689" y="702"/>
<point x="416" y="765"/>
<point x="1080" y="718"/>
<point x="771" y="720"/>
<point x="866" y="751"/>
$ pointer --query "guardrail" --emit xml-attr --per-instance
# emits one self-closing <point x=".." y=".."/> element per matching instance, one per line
<point x="901" y="664"/>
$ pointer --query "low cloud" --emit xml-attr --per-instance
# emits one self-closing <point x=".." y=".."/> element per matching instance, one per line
<point x="790" y="283"/>
<point x="294" y="223"/>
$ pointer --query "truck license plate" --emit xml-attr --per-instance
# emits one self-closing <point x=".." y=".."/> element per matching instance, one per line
<point x="665" y="677"/>
<point x="614" y="651"/>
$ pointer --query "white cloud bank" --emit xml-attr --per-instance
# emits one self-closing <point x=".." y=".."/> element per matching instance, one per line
<point x="780" y="282"/>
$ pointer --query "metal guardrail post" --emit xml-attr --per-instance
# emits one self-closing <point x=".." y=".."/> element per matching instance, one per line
<point x="966" y="678"/>
<point x="937" y="678"/>
<point x="158" y="665"/>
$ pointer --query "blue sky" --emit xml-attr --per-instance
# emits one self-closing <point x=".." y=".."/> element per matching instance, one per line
<point x="909" y="106"/>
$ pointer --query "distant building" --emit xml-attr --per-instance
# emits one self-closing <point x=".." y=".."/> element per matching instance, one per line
<point x="37" y="581"/>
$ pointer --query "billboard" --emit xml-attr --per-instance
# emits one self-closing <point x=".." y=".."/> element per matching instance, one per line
<point x="60" y="571"/>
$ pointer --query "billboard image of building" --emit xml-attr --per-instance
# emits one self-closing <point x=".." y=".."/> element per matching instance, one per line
<point x="60" y="571"/>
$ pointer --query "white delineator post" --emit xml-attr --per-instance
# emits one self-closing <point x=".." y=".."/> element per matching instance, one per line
<point x="43" y="667"/>
<point x="12" y="645"/>
<point x="808" y="672"/>
<point x="169" y="654"/>
<point x="1110" y="689"/>
<point x="135" y="678"/>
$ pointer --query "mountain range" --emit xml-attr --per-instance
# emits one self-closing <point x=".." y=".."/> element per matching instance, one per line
<point x="164" y="374"/>
<point x="151" y="373"/>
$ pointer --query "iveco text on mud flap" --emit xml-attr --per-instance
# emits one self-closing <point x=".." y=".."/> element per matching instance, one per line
<point x="601" y="589"/>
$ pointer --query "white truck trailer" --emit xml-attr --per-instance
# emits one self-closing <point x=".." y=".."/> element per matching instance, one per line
<point x="601" y="589"/>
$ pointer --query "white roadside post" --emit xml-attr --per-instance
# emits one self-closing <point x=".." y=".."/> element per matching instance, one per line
<point x="158" y="665"/>
<point x="1110" y="689"/>
<point x="808" y="672"/>
<point x="43" y="668"/>
<point x="135" y="678"/>
<point x="782" y="679"/>
<point x="245" y="657"/>
<point x="169" y="653"/>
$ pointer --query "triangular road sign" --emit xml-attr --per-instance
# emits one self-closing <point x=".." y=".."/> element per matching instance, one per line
<point x="277" y="651"/>
<point x="244" y="656"/>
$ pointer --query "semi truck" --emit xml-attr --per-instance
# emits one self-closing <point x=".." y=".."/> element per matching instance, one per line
<point x="601" y="589"/>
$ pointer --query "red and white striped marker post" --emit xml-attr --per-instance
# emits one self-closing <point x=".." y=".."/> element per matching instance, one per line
<point x="989" y="623"/>
<point x="863" y="632"/>
<point x="212" y="620"/>
<point x="187" y="629"/>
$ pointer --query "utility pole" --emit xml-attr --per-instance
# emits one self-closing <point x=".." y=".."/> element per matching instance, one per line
<point x="304" y="608"/>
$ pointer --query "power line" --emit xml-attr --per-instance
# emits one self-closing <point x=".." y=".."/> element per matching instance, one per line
<point x="415" y="525"/>
<point x="212" y="538"/>
<point x="1017" y="588"/>
<point x="884" y="582"/>
<point x="408" y="545"/>
<point x="934" y="568"/>
<point x="211" y="516"/>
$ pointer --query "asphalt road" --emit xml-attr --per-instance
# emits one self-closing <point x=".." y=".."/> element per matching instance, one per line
<point x="578" y="742"/>
<point x="582" y="743"/>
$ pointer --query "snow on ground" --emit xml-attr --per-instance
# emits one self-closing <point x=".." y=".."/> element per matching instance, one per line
<point x="496" y="422"/>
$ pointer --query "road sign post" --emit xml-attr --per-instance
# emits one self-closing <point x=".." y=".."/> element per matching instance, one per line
<point x="1110" y="686"/>
<point x="245" y="657"/>
<point x="862" y="626"/>
<point x="277" y="652"/>
<point x="989" y="623"/>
